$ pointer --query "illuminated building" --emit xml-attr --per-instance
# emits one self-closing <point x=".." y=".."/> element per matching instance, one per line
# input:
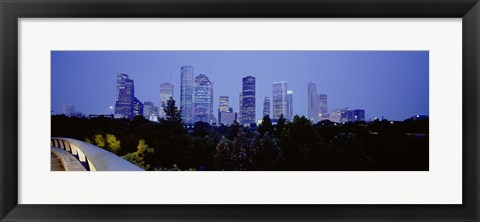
<point x="247" y="101"/>
<point x="279" y="99"/>
<point x="266" y="106"/>
<point x="202" y="99"/>
<point x="186" y="93"/>
<point x="166" y="92"/>
<point x="126" y="105"/>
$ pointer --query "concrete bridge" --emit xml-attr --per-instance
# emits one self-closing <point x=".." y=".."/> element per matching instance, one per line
<point x="74" y="155"/>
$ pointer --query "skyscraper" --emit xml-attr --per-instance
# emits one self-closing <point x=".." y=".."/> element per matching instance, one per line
<point x="346" y="115"/>
<point x="289" y="104"/>
<point x="137" y="107"/>
<point x="266" y="106"/>
<point x="247" y="105"/>
<point x="127" y="105"/>
<point x="279" y="99"/>
<point x="322" y="106"/>
<point x="186" y="93"/>
<point x="213" y="119"/>
<point x="202" y="99"/>
<point x="359" y="115"/>
<point x="240" y="99"/>
<point x="228" y="118"/>
<point x="226" y="115"/>
<point x="121" y="79"/>
<point x="222" y="107"/>
<point x="313" y="102"/>
<point x="166" y="92"/>
<point x="150" y="111"/>
<point x="317" y="104"/>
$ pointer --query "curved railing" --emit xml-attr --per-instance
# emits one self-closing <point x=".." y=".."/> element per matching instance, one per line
<point x="92" y="157"/>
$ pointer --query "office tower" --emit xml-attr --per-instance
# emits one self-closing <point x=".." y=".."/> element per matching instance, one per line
<point x="279" y="99"/>
<point x="121" y="79"/>
<point x="213" y="119"/>
<point x="266" y="107"/>
<point x="137" y="107"/>
<point x="313" y="102"/>
<point x="247" y="106"/>
<point x="323" y="106"/>
<point x="289" y="105"/>
<point x="342" y="115"/>
<point x="227" y="118"/>
<point x="127" y="105"/>
<point x="150" y="111"/>
<point x="186" y="93"/>
<point x="226" y="115"/>
<point x="68" y="110"/>
<point x="202" y="99"/>
<point x="166" y="92"/>
<point x="223" y="107"/>
<point x="359" y="115"/>
<point x="317" y="104"/>
<point x="346" y="115"/>
<point x="240" y="107"/>
<point x="336" y="115"/>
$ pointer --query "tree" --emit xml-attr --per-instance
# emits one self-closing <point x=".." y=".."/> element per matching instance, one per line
<point x="280" y="126"/>
<point x="241" y="151"/>
<point x="302" y="145"/>
<point x="266" y="126"/>
<point x="235" y="127"/>
<point x="172" y="113"/>
<point x="223" y="156"/>
<point x="201" y="129"/>
<point x="138" y="157"/>
<point x="99" y="140"/>
<point x="267" y="155"/>
<point x="113" y="143"/>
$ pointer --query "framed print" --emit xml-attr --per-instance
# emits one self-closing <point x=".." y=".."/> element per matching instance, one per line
<point x="310" y="110"/>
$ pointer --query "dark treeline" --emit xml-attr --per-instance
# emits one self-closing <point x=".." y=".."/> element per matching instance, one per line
<point x="288" y="145"/>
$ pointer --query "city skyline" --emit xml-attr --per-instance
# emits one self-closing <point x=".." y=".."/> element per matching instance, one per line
<point x="413" y="99"/>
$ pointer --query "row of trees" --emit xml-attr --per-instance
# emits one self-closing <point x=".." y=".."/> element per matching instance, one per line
<point x="288" y="145"/>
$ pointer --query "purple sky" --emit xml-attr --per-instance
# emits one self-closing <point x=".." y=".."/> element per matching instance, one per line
<point x="393" y="84"/>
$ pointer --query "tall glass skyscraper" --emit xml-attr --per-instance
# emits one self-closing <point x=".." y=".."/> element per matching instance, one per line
<point x="279" y="99"/>
<point x="121" y="79"/>
<point x="323" y="106"/>
<point x="289" y="105"/>
<point x="240" y="99"/>
<point x="127" y="105"/>
<point x="150" y="111"/>
<point x="317" y="104"/>
<point x="186" y="93"/>
<point x="223" y="107"/>
<point x="226" y="115"/>
<point x="247" y="104"/>
<point x="166" y="92"/>
<point x="202" y="99"/>
<point x="313" y="102"/>
<point x="359" y="115"/>
<point x="266" y="106"/>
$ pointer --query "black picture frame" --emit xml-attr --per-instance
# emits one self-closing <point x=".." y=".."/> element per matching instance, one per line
<point x="12" y="10"/>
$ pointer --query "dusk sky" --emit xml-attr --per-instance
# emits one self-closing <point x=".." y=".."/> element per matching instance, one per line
<point x="393" y="84"/>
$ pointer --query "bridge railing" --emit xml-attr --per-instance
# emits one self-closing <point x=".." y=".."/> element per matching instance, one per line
<point x="92" y="157"/>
